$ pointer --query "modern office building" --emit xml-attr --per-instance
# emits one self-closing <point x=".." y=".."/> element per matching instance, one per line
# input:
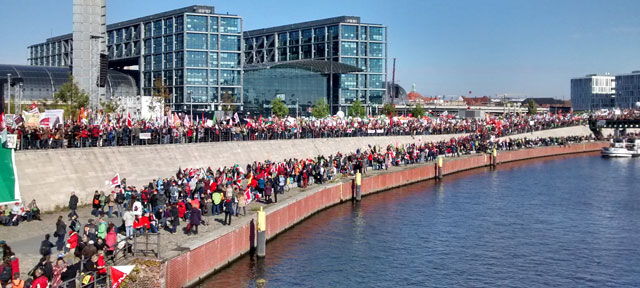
<point x="593" y="92"/>
<point x="334" y="40"/>
<point x="628" y="90"/>
<point x="195" y="52"/>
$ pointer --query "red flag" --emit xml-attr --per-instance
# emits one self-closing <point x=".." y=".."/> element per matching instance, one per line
<point x="119" y="273"/>
<point x="44" y="122"/>
<point x="260" y="120"/>
<point x="129" y="120"/>
<point x="2" y="120"/>
<point x="115" y="181"/>
<point x="202" y="118"/>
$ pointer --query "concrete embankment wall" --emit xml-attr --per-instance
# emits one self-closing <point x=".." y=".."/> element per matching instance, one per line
<point x="49" y="176"/>
<point x="206" y="256"/>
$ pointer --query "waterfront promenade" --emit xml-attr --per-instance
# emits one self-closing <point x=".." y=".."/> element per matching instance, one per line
<point x="180" y="248"/>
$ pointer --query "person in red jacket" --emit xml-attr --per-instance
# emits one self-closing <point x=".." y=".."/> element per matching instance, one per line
<point x="40" y="280"/>
<point x="72" y="242"/>
<point x="182" y="209"/>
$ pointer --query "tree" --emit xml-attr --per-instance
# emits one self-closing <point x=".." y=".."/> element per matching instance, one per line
<point x="279" y="108"/>
<point x="110" y="106"/>
<point x="71" y="95"/>
<point x="227" y="99"/>
<point x="389" y="109"/>
<point x="417" y="111"/>
<point x="532" y="107"/>
<point x="321" y="109"/>
<point x="160" y="94"/>
<point x="357" y="110"/>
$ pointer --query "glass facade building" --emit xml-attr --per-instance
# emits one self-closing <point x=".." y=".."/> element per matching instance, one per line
<point x="628" y="90"/>
<point x="342" y="39"/>
<point x="193" y="51"/>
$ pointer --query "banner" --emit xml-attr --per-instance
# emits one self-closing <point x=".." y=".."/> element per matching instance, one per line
<point x="9" y="188"/>
<point x="119" y="273"/>
<point x="55" y="117"/>
<point x="31" y="119"/>
<point x="115" y="181"/>
<point x="145" y="136"/>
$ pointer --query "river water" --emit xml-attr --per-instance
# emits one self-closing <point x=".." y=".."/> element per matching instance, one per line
<point x="570" y="221"/>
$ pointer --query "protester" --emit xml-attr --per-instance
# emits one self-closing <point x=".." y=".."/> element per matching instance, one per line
<point x="73" y="204"/>
<point x="61" y="232"/>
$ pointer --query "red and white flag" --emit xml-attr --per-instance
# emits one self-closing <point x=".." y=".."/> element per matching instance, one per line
<point x="129" y="120"/>
<point x="44" y="122"/>
<point x="119" y="273"/>
<point x="236" y="118"/>
<point x="115" y="181"/>
<point x="247" y="195"/>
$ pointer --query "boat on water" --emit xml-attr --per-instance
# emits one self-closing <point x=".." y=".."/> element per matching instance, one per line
<point x="618" y="149"/>
<point x="634" y="146"/>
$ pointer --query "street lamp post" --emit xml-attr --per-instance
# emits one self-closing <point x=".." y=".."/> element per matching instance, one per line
<point x="190" y="103"/>
<point x="9" y="93"/>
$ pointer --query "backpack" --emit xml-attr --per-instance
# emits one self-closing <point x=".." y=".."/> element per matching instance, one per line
<point x="120" y="198"/>
<point x="5" y="275"/>
<point x="44" y="249"/>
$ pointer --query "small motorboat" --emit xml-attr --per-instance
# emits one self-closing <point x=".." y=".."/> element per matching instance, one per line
<point x="634" y="147"/>
<point x="618" y="148"/>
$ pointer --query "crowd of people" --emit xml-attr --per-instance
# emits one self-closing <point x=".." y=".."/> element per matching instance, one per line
<point x="197" y="196"/>
<point x="122" y="132"/>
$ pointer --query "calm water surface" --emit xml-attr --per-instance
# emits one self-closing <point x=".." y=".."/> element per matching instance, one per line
<point x="558" y="222"/>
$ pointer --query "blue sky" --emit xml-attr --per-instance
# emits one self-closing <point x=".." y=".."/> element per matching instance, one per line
<point x="530" y="48"/>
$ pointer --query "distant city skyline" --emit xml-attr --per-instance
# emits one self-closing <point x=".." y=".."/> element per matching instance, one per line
<point x="525" y="49"/>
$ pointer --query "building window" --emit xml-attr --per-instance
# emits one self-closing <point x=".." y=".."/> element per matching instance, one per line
<point x="213" y="95"/>
<point x="196" y="77"/>
<point x="282" y="39"/>
<point x="307" y="36"/>
<point x="213" y="77"/>
<point x="294" y="52"/>
<point x="306" y="51"/>
<point x="349" y="32"/>
<point x="294" y="38"/>
<point x="179" y="24"/>
<point x="229" y="60"/>
<point x="157" y="45"/>
<point x="213" y="24"/>
<point x="319" y="35"/>
<point x="375" y="81"/>
<point x="375" y="65"/>
<point x="229" y="77"/>
<point x="168" y="26"/>
<point x="147" y="29"/>
<point x="196" y="23"/>
<point x="168" y="60"/>
<point x="363" y="49"/>
<point x="362" y="81"/>
<point x="320" y="50"/>
<point x="363" y="33"/>
<point x="147" y="79"/>
<point x="362" y="63"/>
<point x="157" y="62"/>
<point x="197" y="41"/>
<point x="179" y="41"/>
<point x="349" y="49"/>
<point x="168" y="43"/>
<point x="232" y="94"/>
<point x="196" y="59"/>
<point x="213" y="42"/>
<point x="348" y="81"/>
<point x="350" y="61"/>
<point x="270" y="41"/>
<point x="230" y="43"/>
<point x="375" y="97"/>
<point x="282" y="54"/>
<point x="196" y="94"/>
<point x="229" y="25"/>
<point x="376" y="49"/>
<point x="157" y="28"/>
<point x="147" y="63"/>
<point x="333" y="32"/>
<point x="376" y="33"/>
<point x="213" y="59"/>
<point x="179" y="78"/>
<point x="179" y="60"/>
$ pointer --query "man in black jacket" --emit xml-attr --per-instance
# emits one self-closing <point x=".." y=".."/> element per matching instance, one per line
<point x="73" y="204"/>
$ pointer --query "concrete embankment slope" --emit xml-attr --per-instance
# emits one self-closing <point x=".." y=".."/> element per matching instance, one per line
<point x="201" y="257"/>
<point x="50" y="175"/>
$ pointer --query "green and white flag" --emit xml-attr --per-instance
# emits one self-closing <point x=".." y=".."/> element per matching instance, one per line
<point x="9" y="188"/>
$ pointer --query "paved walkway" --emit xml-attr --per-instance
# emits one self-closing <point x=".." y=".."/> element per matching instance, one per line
<point x="25" y="239"/>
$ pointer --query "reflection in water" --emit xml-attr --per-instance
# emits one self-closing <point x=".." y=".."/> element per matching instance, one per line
<point x="570" y="221"/>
